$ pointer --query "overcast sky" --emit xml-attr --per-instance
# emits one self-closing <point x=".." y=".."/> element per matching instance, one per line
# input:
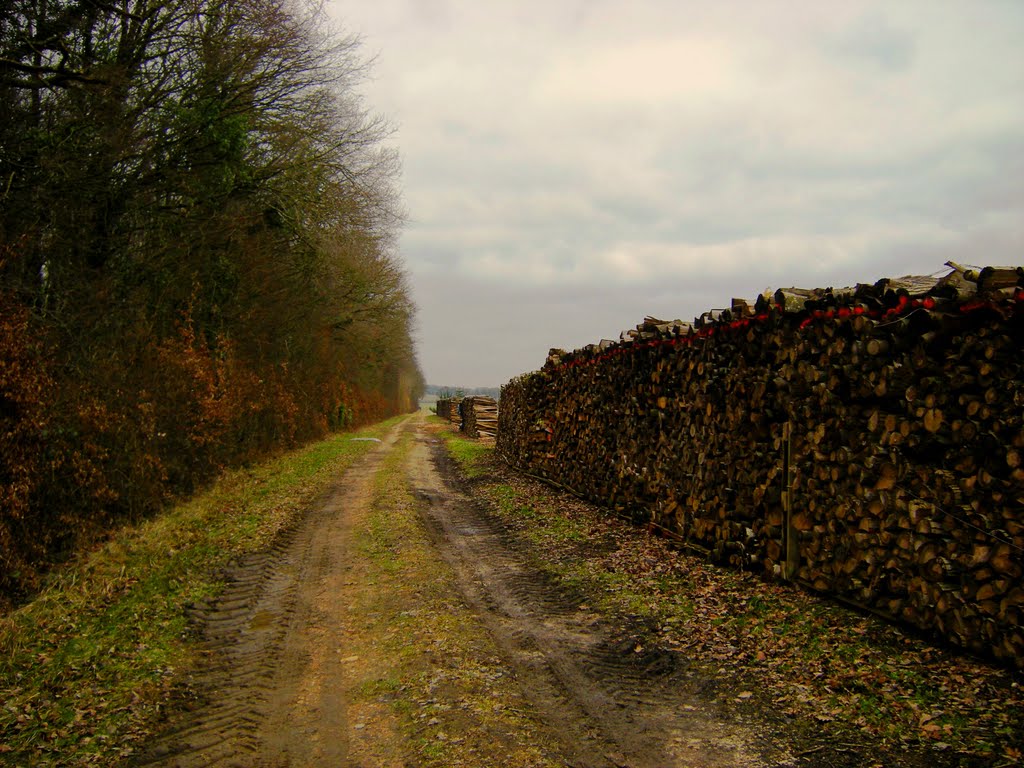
<point x="570" y="166"/>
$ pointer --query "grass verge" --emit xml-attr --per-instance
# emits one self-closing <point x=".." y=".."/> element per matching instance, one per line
<point x="468" y="453"/>
<point x="831" y="677"/>
<point x="86" y="667"/>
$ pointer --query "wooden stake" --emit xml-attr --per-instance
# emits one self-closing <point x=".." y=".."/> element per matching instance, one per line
<point x="792" y="544"/>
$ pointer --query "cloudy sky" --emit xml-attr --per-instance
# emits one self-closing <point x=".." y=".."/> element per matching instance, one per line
<point x="570" y="166"/>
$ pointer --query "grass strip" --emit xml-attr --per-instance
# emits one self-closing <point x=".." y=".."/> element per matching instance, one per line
<point x="469" y="454"/>
<point x="86" y="667"/>
<point x="424" y="670"/>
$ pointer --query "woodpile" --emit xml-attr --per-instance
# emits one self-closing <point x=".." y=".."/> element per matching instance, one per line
<point x="444" y="407"/>
<point x="866" y="442"/>
<point x="480" y="416"/>
<point x="450" y="408"/>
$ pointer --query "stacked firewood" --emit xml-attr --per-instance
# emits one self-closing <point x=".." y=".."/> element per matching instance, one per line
<point x="444" y="407"/>
<point x="866" y="442"/>
<point x="450" y="408"/>
<point x="480" y="416"/>
<point x="455" y="417"/>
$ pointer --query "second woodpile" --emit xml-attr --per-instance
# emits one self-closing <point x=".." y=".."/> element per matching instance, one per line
<point x="450" y="408"/>
<point x="865" y="442"/>
<point x="480" y="416"/>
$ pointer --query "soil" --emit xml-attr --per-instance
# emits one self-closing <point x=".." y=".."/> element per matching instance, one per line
<point x="287" y="648"/>
<point x="270" y="693"/>
<point x="608" y="701"/>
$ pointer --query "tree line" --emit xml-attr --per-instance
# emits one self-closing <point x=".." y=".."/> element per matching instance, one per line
<point x="444" y="391"/>
<point x="198" y="266"/>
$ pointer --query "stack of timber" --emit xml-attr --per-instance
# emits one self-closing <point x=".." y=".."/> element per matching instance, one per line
<point x="450" y="408"/>
<point x="867" y="442"/>
<point x="444" y="408"/>
<point x="480" y="416"/>
<point x="455" y="417"/>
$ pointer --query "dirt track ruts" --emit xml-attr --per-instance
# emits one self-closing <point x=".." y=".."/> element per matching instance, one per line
<point x="271" y="693"/>
<point x="610" y="702"/>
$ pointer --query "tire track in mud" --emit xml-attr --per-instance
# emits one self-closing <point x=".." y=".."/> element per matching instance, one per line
<point x="607" y="701"/>
<point x="269" y="693"/>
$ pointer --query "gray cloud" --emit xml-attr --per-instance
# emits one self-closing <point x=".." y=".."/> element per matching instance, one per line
<point x="572" y="166"/>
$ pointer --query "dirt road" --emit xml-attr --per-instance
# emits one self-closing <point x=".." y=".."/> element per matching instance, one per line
<point x="399" y="623"/>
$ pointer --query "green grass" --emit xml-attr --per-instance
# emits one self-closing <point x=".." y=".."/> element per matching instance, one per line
<point x="471" y="455"/>
<point x="86" y="667"/>
<point x="426" y="658"/>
